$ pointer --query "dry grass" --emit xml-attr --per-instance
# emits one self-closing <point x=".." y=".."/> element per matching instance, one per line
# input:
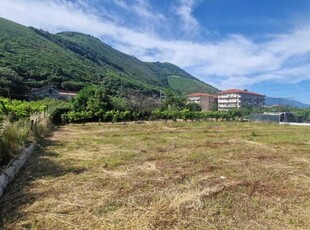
<point x="165" y="176"/>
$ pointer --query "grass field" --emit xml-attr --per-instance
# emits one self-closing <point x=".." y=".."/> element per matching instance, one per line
<point x="220" y="175"/>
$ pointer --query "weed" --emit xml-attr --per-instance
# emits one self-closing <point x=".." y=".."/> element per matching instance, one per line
<point x="254" y="134"/>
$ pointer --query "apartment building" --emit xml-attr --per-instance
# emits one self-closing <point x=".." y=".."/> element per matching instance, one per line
<point x="236" y="98"/>
<point x="206" y="101"/>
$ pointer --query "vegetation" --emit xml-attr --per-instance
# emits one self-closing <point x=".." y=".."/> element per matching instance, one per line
<point x="188" y="85"/>
<point x="305" y="113"/>
<point x="20" y="123"/>
<point x="32" y="58"/>
<point x="154" y="175"/>
<point x="93" y="104"/>
<point x="157" y="175"/>
<point x="16" y="109"/>
<point x="11" y="85"/>
<point x="15" y="135"/>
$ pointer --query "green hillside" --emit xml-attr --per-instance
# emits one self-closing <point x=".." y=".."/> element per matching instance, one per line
<point x="31" y="58"/>
<point x="179" y="80"/>
<point x="188" y="85"/>
<point x="103" y="54"/>
<point x="34" y="57"/>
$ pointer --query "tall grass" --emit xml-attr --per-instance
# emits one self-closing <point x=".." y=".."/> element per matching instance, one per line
<point x="15" y="135"/>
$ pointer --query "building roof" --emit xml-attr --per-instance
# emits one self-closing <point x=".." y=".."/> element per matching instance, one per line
<point x="67" y="93"/>
<point x="201" y="95"/>
<point x="236" y="91"/>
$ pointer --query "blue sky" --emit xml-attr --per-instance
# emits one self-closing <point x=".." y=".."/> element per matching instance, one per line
<point x="260" y="45"/>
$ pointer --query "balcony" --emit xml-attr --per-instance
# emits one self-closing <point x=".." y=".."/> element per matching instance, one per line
<point x="228" y="97"/>
<point x="227" y="106"/>
<point x="228" y="101"/>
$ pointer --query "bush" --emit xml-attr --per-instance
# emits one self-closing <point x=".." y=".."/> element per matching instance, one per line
<point x="56" y="112"/>
<point x="78" y="117"/>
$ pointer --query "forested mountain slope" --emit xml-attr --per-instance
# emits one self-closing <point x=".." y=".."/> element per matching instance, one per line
<point x="32" y="58"/>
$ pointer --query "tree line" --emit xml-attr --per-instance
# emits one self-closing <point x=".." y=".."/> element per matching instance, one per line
<point x="94" y="104"/>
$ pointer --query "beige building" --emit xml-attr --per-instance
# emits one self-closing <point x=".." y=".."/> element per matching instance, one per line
<point x="236" y="98"/>
<point x="206" y="101"/>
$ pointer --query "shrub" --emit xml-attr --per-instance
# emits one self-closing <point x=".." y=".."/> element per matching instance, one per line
<point x="56" y="113"/>
<point x="78" y="117"/>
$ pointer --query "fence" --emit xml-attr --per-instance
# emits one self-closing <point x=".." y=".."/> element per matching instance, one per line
<point x="276" y="117"/>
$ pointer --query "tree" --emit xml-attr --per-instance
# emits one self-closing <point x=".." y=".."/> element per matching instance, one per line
<point x="173" y="101"/>
<point x="55" y="81"/>
<point x="193" y="107"/>
<point x="139" y="102"/>
<point x="93" y="99"/>
<point x="11" y="84"/>
<point x="119" y="103"/>
<point x="214" y="107"/>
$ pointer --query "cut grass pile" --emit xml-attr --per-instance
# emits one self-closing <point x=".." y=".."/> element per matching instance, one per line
<point x="165" y="176"/>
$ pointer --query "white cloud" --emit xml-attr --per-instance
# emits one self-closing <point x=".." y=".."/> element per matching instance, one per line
<point x="235" y="61"/>
<point x="143" y="14"/>
<point x="286" y="45"/>
<point x="184" y="10"/>
<point x="141" y="7"/>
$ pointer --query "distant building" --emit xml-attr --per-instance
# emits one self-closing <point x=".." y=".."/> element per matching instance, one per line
<point x="66" y="95"/>
<point x="276" y="117"/>
<point x="206" y="101"/>
<point x="50" y="92"/>
<point x="236" y="98"/>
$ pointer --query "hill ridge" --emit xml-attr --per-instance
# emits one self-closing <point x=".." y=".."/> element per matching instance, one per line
<point x="70" y="60"/>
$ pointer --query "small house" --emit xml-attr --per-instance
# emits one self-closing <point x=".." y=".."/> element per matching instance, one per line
<point x="50" y="92"/>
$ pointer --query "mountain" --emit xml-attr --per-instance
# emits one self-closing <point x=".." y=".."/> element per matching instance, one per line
<point x="32" y="58"/>
<point x="270" y="101"/>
